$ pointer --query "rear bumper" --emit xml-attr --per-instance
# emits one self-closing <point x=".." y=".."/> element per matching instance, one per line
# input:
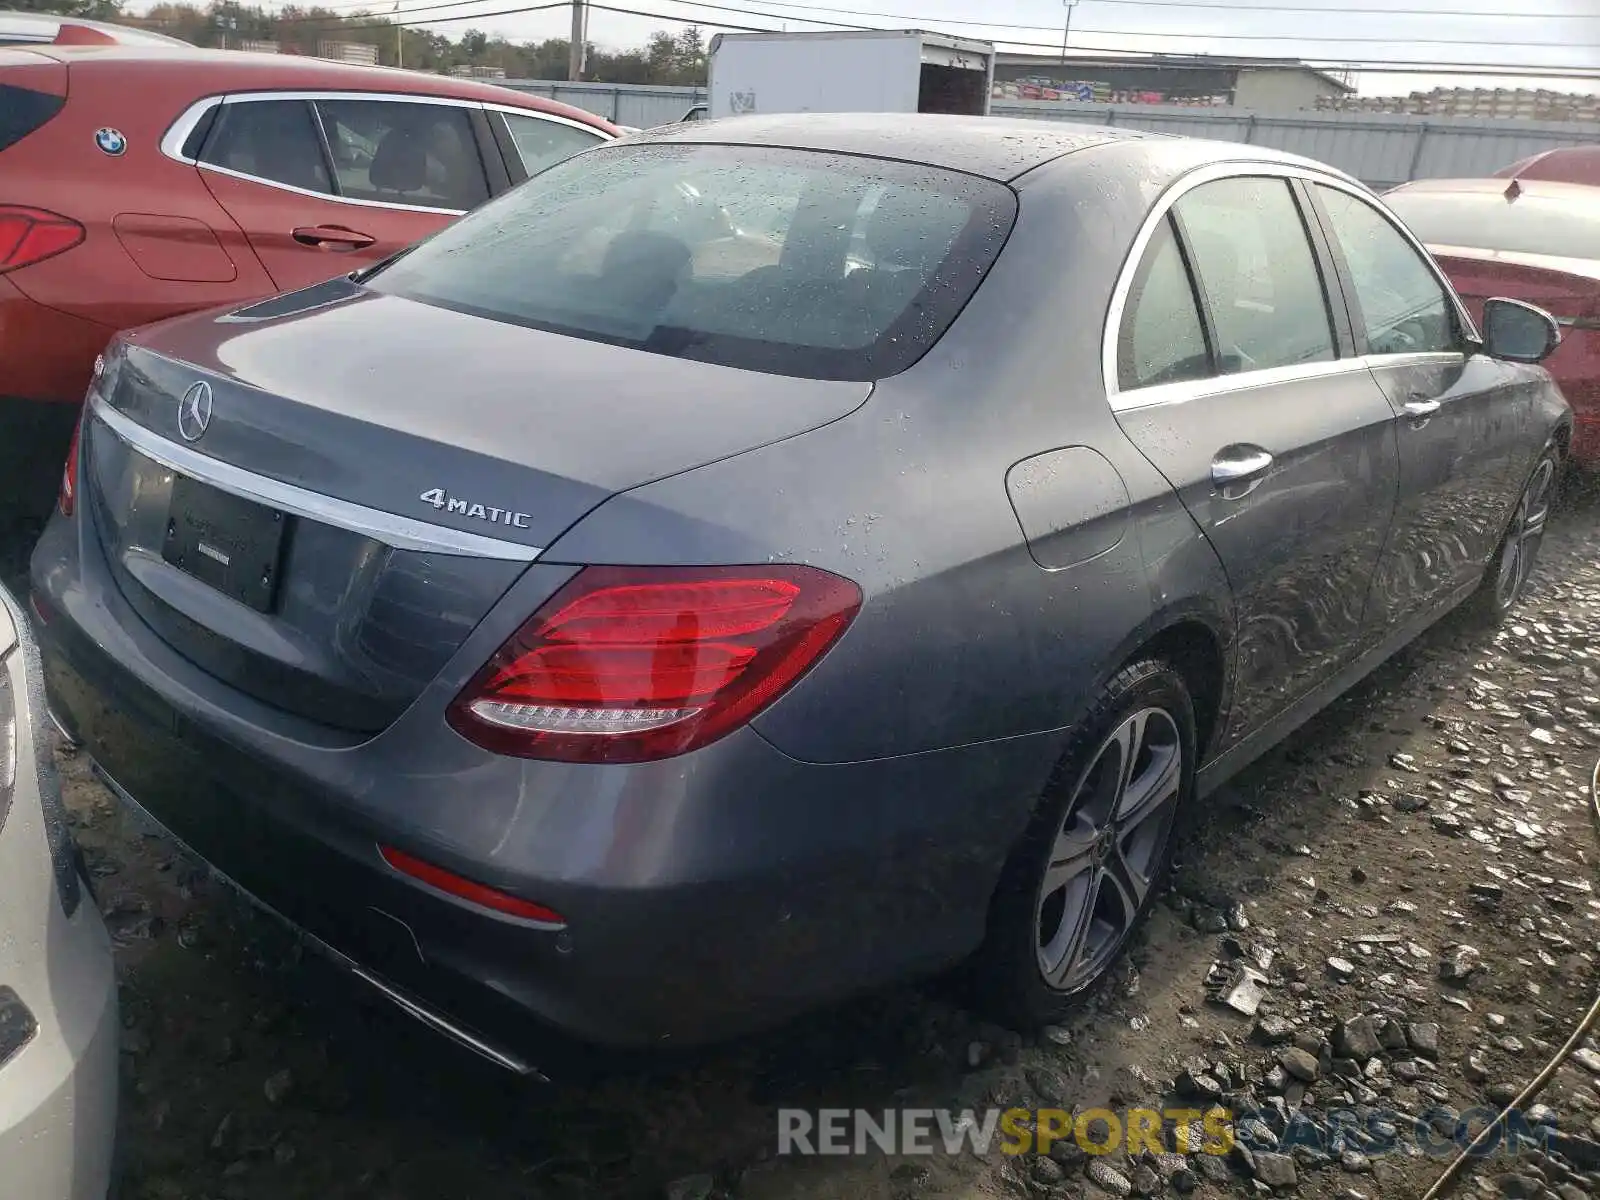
<point x="703" y="896"/>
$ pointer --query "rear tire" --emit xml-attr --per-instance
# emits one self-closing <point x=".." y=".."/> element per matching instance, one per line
<point x="1083" y="877"/>
<point x="1505" y="580"/>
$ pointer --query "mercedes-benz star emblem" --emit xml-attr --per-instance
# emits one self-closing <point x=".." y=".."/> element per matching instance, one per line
<point x="194" y="411"/>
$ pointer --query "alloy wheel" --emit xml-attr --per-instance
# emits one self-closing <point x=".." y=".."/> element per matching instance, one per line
<point x="1108" y="850"/>
<point x="1521" y="546"/>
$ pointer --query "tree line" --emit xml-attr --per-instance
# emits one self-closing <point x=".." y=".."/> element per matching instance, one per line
<point x="667" y="58"/>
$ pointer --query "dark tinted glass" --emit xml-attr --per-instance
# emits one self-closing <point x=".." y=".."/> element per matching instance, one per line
<point x="1564" y="226"/>
<point x="404" y="153"/>
<point x="1161" y="339"/>
<point x="22" y="110"/>
<point x="269" y="139"/>
<point x="791" y="262"/>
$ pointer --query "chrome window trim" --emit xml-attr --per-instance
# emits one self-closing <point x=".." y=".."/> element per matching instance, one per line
<point x="400" y="533"/>
<point x="600" y="135"/>
<point x="1162" y="395"/>
<point x="178" y="133"/>
<point x="1168" y="393"/>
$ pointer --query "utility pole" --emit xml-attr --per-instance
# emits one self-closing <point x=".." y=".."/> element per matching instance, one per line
<point x="399" y="40"/>
<point x="1066" y="30"/>
<point x="575" y="51"/>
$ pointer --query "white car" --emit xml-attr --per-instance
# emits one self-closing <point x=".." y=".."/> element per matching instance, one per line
<point x="58" y="994"/>
<point x="31" y="28"/>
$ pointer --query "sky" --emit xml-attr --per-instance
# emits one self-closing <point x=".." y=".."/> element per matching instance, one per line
<point x="1505" y="33"/>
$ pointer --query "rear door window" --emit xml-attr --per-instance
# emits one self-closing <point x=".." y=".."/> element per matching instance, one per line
<point x="274" y="140"/>
<point x="1257" y="273"/>
<point x="542" y="143"/>
<point x="411" y="153"/>
<point x="748" y="256"/>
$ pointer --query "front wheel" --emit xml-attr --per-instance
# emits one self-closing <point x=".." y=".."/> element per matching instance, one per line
<point x="1083" y="878"/>
<point x="1505" y="581"/>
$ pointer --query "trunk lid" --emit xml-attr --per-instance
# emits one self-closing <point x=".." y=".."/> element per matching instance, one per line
<point x="418" y="459"/>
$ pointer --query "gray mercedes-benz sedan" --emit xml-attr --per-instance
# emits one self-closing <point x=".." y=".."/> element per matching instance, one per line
<point x="760" y="560"/>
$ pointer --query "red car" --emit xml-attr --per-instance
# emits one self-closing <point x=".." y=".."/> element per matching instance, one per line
<point x="142" y="181"/>
<point x="1569" y="164"/>
<point x="1534" y="240"/>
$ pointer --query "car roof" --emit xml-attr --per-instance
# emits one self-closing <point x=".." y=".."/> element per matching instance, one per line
<point x="1550" y="189"/>
<point x="214" y="71"/>
<point x="999" y="148"/>
<point x="1570" y="164"/>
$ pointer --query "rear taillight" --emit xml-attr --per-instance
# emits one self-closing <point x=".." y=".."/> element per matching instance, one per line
<point x="67" y="499"/>
<point x="628" y="664"/>
<point x="30" y="235"/>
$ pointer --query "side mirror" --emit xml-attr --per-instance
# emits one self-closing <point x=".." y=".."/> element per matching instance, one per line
<point x="1518" y="332"/>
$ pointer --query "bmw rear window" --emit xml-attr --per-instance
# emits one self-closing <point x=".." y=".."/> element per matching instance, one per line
<point x="791" y="262"/>
<point x="1564" y="226"/>
<point x="22" y="110"/>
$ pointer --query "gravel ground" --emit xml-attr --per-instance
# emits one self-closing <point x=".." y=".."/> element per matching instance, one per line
<point x="1440" y="806"/>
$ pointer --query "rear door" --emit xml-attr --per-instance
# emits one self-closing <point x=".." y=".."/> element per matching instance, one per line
<point x="323" y="184"/>
<point x="1236" y="377"/>
<point x="1463" y="426"/>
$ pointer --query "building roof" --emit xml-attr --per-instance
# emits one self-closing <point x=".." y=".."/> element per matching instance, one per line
<point x="1171" y="62"/>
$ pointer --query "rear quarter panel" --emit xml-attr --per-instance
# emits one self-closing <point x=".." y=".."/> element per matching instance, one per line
<point x="62" y="169"/>
<point x="963" y="636"/>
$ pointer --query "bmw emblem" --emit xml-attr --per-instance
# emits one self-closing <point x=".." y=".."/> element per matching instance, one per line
<point x="111" y="141"/>
<point x="194" y="411"/>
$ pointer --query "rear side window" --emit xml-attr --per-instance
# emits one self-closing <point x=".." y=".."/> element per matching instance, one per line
<point x="1564" y="226"/>
<point x="747" y="256"/>
<point x="542" y="143"/>
<point x="23" y="110"/>
<point x="404" y="153"/>
<point x="1253" y="258"/>
<point x="1162" y="339"/>
<point x="276" y="140"/>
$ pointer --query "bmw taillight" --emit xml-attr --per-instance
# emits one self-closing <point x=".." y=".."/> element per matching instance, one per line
<point x="30" y="235"/>
<point x="67" y="499"/>
<point x="629" y="664"/>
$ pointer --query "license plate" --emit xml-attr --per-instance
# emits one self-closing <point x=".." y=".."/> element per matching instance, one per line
<point x="233" y="544"/>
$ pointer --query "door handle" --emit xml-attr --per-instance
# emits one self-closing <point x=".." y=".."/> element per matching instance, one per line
<point x="1239" y="470"/>
<point x="332" y="237"/>
<point x="1421" y="406"/>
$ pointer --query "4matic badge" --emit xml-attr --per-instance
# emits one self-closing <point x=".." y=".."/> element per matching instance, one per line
<point x="441" y="500"/>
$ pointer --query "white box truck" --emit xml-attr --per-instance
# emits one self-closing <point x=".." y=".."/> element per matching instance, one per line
<point x="890" y="70"/>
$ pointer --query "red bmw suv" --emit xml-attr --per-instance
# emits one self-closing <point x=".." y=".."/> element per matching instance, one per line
<point x="142" y="181"/>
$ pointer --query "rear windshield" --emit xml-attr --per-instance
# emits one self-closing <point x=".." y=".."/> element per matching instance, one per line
<point x="22" y="110"/>
<point x="790" y="262"/>
<point x="1567" y="227"/>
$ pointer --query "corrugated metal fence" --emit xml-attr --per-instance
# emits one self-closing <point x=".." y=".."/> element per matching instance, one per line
<point x="641" y="105"/>
<point x="1378" y="148"/>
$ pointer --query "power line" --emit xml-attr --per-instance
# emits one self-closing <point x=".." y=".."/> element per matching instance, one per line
<point x="1373" y="66"/>
<point x="1163" y="33"/>
<point x="364" y="6"/>
<point x="1369" y="66"/>
<point x="1388" y="12"/>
